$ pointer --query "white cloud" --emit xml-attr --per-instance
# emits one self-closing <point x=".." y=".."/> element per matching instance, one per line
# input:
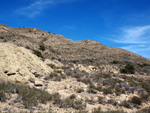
<point x="135" y="39"/>
<point x="136" y="35"/>
<point x="136" y="48"/>
<point x="38" y="6"/>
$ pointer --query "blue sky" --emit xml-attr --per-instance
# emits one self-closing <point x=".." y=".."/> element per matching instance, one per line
<point x="115" y="23"/>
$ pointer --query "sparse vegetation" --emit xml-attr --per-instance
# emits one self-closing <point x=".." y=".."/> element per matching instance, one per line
<point x="73" y="96"/>
<point x="30" y="97"/>
<point x="115" y="62"/>
<point x="52" y="66"/>
<point x="108" y="90"/>
<point x="3" y="96"/>
<point x="101" y="100"/>
<point x="101" y="82"/>
<point x="38" y="53"/>
<point x="91" y="90"/>
<point x="80" y="90"/>
<point x="30" y="30"/>
<point x="125" y="104"/>
<point x="144" y="65"/>
<point x="98" y="110"/>
<point x="136" y="100"/>
<point x="68" y="102"/>
<point x="42" y="47"/>
<point x="129" y="69"/>
<point x="145" y="110"/>
<point x="55" y="76"/>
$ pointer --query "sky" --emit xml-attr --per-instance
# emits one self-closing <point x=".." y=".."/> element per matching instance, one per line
<point x="114" y="23"/>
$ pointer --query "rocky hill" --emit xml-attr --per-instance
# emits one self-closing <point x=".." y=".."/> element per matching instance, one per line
<point x="44" y="72"/>
<point x="61" y="48"/>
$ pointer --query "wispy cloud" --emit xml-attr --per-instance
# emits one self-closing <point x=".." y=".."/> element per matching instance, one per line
<point x="135" y="39"/>
<point x="136" y="48"/>
<point x="38" y="6"/>
<point x="136" y="35"/>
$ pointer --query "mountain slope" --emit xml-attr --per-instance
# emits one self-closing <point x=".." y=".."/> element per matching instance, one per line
<point x="59" y="47"/>
<point x="71" y="76"/>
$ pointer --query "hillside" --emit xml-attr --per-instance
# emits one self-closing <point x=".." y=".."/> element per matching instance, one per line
<point x="44" y="72"/>
<point x="59" y="47"/>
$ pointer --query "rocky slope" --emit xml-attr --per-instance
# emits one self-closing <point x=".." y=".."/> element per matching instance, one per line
<point x="61" y="48"/>
<point x="19" y="64"/>
<point x="69" y="76"/>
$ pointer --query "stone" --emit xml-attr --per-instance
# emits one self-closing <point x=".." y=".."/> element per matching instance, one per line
<point x="78" y="97"/>
<point x="18" y="79"/>
<point x="31" y="85"/>
<point x="10" y="73"/>
<point x="64" y="93"/>
<point x="26" y="78"/>
<point x="95" y="99"/>
<point x="22" y="72"/>
<point x="33" y="71"/>
<point x="38" y="83"/>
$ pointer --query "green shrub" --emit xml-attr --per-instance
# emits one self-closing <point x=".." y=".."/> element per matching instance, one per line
<point x="80" y="90"/>
<point x="82" y="111"/>
<point x="129" y="69"/>
<point x="99" y="88"/>
<point x="57" y="78"/>
<point x="73" y="96"/>
<point x="56" y="98"/>
<point x="68" y="102"/>
<point x="101" y="100"/>
<point x="29" y="97"/>
<point x="38" y="53"/>
<point x="108" y="90"/>
<point x="90" y="90"/>
<point x="52" y="66"/>
<point x="42" y="47"/>
<point x="115" y="62"/>
<point x="98" y="110"/>
<point x="125" y="104"/>
<point x="63" y="76"/>
<point x="145" y="96"/>
<point x="3" y="96"/>
<point x="113" y="102"/>
<point x="145" y="110"/>
<point x="86" y="81"/>
<point x="30" y="30"/>
<point x="92" y="85"/>
<point x="123" y="70"/>
<point x="136" y="100"/>
<point x="77" y="76"/>
<point x="144" y="64"/>
<point x="79" y="105"/>
<point x="145" y="85"/>
<point x="51" y="76"/>
<point x="119" y="90"/>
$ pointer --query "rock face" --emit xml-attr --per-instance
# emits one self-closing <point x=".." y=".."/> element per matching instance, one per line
<point x="16" y="63"/>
